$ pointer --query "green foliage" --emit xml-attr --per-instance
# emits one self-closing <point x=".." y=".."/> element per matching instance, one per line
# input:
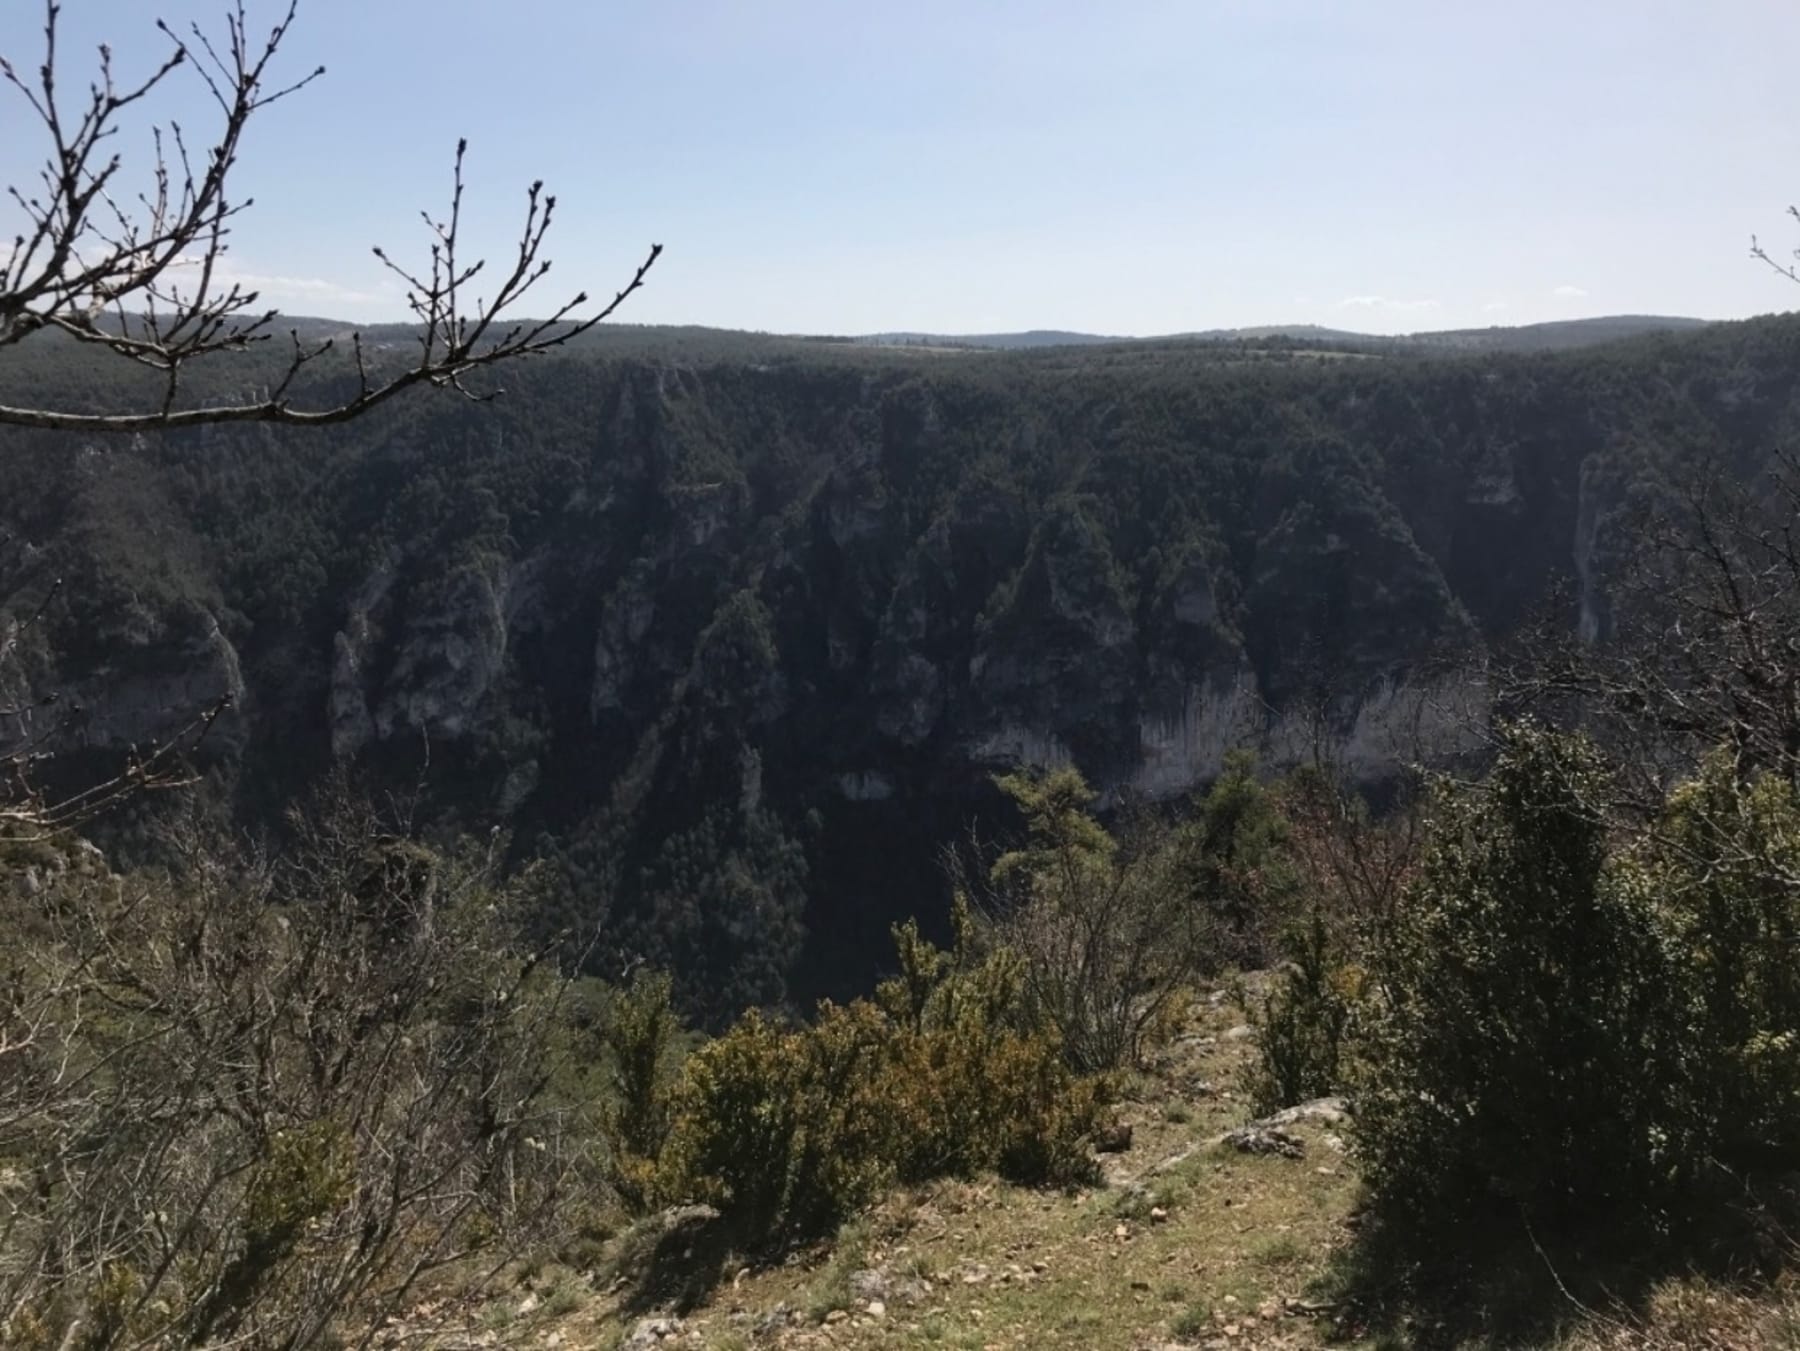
<point x="789" y="1132"/>
<point x="639" y="1033"/>
<point x="307" y="1175"/>
<point x="737" y="649"/>
<point x="1725" y="862"/>
<point x="1579" y="1029"/>
<point x="1235" y="845"/>
<point x="1062" y="835"/>
<point x="909" y="996"/>
<point x="779" y="1128"/>
<point x="1303" y="1036"/>
<point x="1526" y="1059"/>
<point x="1107" y="930"/>
<point x="724" y="903"/>
<point x="1193" y="1322"/>
<point x="976" y="1084"/>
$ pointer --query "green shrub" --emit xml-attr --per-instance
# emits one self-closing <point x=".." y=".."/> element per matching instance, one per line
<point x="639" y="1033"/>
<point x="1110" y="928"/>
<point x="1194" y="1321"/>
<point x="1238" y="863"/>
<point x="1526" y="1060"/>
<point x="782" y="1130"/>
<point x="1303" y="1026"/>
<point x="1724" y="860"/>
<point x="789" y="1132"/>
<point x="968" y="1102"/>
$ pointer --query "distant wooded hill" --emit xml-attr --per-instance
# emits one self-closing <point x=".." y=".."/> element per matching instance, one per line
<point x="1550" y="336"/>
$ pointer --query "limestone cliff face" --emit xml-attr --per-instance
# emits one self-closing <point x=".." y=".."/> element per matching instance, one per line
<point x="592" y="605"/>
<point x="448" y="654"/>
<point x="195" y="671"/>
<point x="422" y="660"/>
<point x="624" y="622"/>
<point x="875" y="656"/>
<point x="15" y="685"/>
<point x="354" y="655"/>
<point x="1055" y="665"/>
<point x="881" y="615"/>
<point x="181" y="668"/>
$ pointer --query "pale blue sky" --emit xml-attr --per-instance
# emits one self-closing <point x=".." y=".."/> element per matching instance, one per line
<point x="1139" y="166"/>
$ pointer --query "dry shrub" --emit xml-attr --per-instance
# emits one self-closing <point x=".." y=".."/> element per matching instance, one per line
<point x="259" y="1102"/>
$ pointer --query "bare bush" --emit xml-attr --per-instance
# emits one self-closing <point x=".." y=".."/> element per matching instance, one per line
<point x="1352" y="860"/>
<point x="259" y="1103"/>
<point x="1109" y="928"/>
<point x="1701" y="650"/>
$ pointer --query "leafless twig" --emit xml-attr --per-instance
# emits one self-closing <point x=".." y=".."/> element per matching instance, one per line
<point x="141" y="274"/>
<point x="1789" y="270"/>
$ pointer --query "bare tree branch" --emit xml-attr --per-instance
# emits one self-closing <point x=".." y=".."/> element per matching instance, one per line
<point x="140" y="274"/>
<point x="1702" y="652"/>
<point x="1789" y="270"/>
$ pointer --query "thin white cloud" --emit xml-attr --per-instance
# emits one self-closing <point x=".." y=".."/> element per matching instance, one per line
<point x="316" y="294"/>
<point x="1495" y="306"/>
<point x="1569" y="293"/>
<point x="1384" y="303"/>
<point x="301" y="288"/>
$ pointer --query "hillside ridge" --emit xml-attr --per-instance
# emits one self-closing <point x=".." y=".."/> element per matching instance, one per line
<point x="747" y="630"/>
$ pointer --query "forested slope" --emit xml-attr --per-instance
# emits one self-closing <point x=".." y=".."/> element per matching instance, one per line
<point x="734" y="630"/>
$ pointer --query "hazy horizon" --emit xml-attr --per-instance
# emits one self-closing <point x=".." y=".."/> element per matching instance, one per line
<point x="890" y="332"/>
<point x="1144" y="169"/>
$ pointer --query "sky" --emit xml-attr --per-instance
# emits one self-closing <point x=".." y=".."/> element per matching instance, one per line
<point x="1127" y="167"/>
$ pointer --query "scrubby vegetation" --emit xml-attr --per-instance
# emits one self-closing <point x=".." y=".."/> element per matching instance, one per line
<point x="1304" y="1029"/>
<point x="271" y="1101"/>
<point x="945" y="1072"/>
<point x="1533" y="970"/>
<point x="274" y="1102"/>
<point x="1357" y="782"/>
<point x="244" y="1101"/>
<point x="1108" y="929"/>
<point x="1525" y="1058"/>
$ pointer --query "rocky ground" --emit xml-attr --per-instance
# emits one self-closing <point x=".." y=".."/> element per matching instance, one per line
<point x="1209" y="1230"/>
<point x="1203" y="1233"/>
